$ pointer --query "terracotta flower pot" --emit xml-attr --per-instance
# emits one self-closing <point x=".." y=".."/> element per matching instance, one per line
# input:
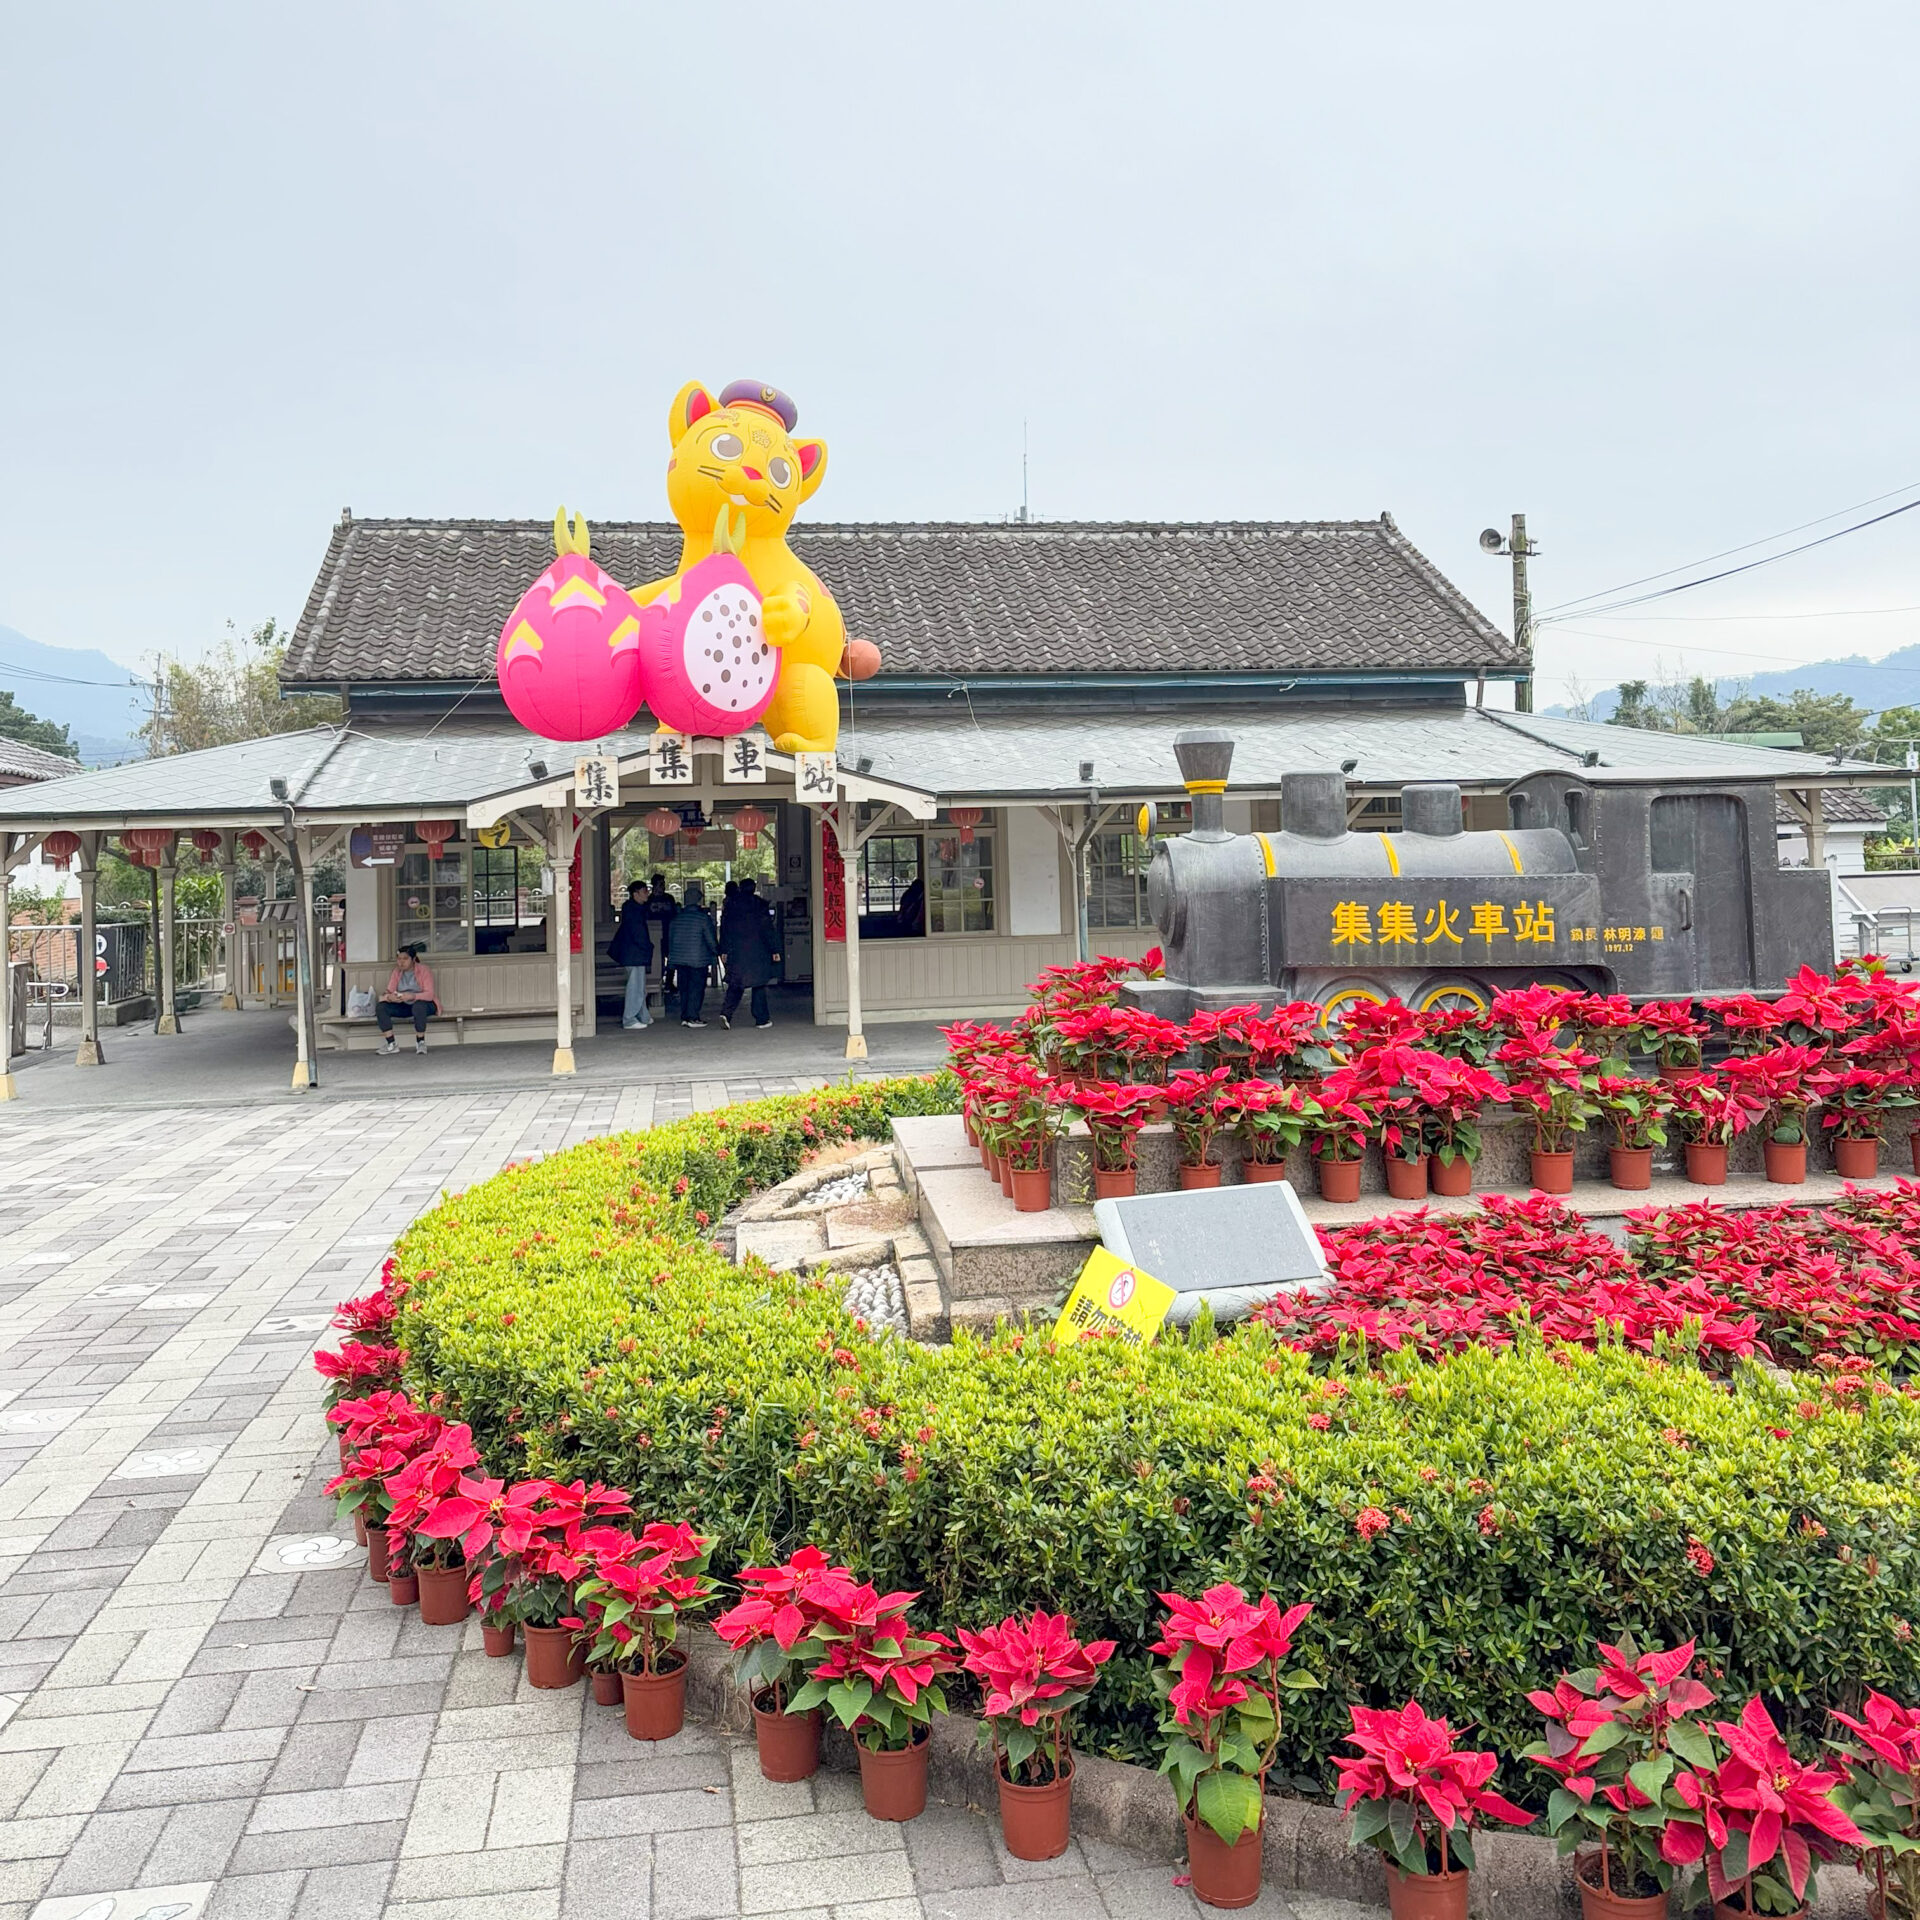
<point x="1115" y="1183"/>
<point x="443" y="1595"/>
<point x="1913" y="1145"/>
<point x="656" y="1702"/>
<point x="1706" y="1164"/>
<point x="1258" y="1171"/>
<point x="498" y="1641"/>
<point x="1856" y="1159"/>
<point x="973" y="1132"/>
<point x="1340" y="1181"/>
<point x="360" y="1520"/>
<point x="789" y="1743"/>
<point x="1452" y="1181"/>
<point x="1672" y="1074"/>
<point x="1036" y="1822"/>
<point x="894" y="1785"/>
<point x="1631" y="1168"/>
<point x="1786" y="1162"/>
<point x="1551" y="1172"/>
<point x="1207" y="1174"/>
<point x="1598" y="1903"/>
<point x="377" y="1553"/>
<point x="1225" y="1876"/>
<point x="1031" y="1190"/>
<point x="1727" y="1910"/>
<point x="986" y="1159"/>
<point x="1426" y="1896"/>
<point x="554" y="1657"/>
<point x="605" y="1683"/>
<point x="403" y="1587"/>
<point x="1407" y="1179"/>
<point x="1004" y="1168"/>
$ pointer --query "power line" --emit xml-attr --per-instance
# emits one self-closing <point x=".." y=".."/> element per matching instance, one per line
<point x="63" y="679"/>
<point x="1822" y="613"/>
<point x="1744" y="547"/>
<point x="1727" y="573"/>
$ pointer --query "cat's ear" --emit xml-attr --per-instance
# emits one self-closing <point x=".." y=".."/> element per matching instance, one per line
<point x="690" y="406"/>
<point x="812" y="455"/>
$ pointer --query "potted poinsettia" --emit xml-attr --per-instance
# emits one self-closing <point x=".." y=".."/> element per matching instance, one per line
<point x="417" y="1490"/>
<point x="1198" y="1110"/>
<point x="1386" y="1078"/>
<point x="1033" y="1672"/>
<point x="401" y="1431"/>
<point x="1853" y="1113"/>
<point x="1449" y="1094"/>
<point x="1220" y="1727"/>
<point x="1114" y="1116"/>
<point x="1711" y="1111"/>
<point x="1271" y="1118"/>
<point x="356" y="1421"/>
<point x="1340" y="1125"/>
<point x="1751" y="1024"/>
<point x="1789" y="1081"/>
<point x="1636" y="1109"/>
<point x="1881" y="1796"/>
<point x="1676" y="1034"/>
<point x="1759" y="1819"/>
<point x="771" y="1633"/>
<point x="1461" y="1033"/>
<point x="632" y="1599"/>
<point x="879" y="1676"/>
<point x="1617" y="1733"/>
<point x="1411" y="1793"/>
<point x="1556" y="1085"/>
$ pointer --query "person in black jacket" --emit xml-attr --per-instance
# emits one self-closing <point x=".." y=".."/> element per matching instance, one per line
<point x="750" y="945"/>
<point x="632" y="948"/>
<point x="661" y="907"/>
<point x="691" y="949"/>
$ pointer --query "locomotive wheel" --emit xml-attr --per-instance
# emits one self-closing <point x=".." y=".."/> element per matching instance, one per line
<point x="1337" y="996"/>
<point x="1451" y="993"/>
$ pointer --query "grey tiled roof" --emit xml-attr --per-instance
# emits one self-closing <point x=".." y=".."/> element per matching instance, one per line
<point x="423" y="600"/>
<point x="18" y="761"/>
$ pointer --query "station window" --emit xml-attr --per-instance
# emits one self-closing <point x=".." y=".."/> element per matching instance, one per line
<point x="431" y="904"/>
<point x="927" y="881"/>
<point x="1117" y="866"/>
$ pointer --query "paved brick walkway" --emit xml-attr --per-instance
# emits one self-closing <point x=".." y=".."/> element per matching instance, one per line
<point x="208" y="1713"/>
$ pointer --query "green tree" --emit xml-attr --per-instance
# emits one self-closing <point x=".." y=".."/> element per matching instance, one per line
<point x="231" y="693"/>
<point x="16" y="723"/>
<point x="1634" y="707"/>
<point x="1826" y="722"/>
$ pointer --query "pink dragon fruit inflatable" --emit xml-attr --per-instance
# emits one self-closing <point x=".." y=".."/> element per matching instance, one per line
<point x="705" y="660"/>
<point x="569" y="655"/>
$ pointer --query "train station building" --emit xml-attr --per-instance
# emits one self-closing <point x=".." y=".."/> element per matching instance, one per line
<point x="981" y="822"/>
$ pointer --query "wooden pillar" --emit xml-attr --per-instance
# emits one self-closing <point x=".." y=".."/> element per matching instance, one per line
<point x="593" y="887"/>
<point x="850" y="844"/>
<point x="229" y="928"/>
<point x="304" y="943"/>
<point x="1816" y="827"/>
<point x="560" y="834"/>
<point x="89" y="1054"/>
<point x="169" y="1020"/>
<point x="8" y="1091"/>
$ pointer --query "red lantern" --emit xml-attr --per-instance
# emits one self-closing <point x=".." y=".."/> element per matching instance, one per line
<point x="436" y="833"/>
<point x="206" y="841"/>
<point x="137" y="856"/>
<point x="749" y="821"/>
<point x="148" y="839"/>
<point x="254" y="841"/>
<point x="568" y="662"/>
<point x="966" y="819"/>
<point x="60" y="847"/>
<point x="663" y="823"/>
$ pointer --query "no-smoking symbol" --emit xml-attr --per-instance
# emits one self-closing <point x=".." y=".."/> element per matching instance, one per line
<point x="1120" y="1289"/>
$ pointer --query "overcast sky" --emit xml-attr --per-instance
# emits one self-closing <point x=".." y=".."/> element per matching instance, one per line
<point x="1646" y="272"/>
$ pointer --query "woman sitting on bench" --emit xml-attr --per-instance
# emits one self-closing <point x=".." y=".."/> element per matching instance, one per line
<point x="409" y="994"/>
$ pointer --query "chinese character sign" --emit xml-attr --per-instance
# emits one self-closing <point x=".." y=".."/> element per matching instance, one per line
<point x="1498" y="920"/>
<point x="833" y="887"/>
<point x="816" y="778"/>
<point x="596" y="782"/>
<point x="743" y="762"/>
<point x="1111" y="1297"/>
<point x="670" y="763"/>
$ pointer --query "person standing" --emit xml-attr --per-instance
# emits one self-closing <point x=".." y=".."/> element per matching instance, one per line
<point x="632" y="948"/>
<point x="750" y="947"/>
<point x="661" y="907"/>
<point x="691" y="949"/>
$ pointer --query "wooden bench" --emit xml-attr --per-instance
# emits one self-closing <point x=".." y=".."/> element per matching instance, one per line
<point x="339" y="1030"/>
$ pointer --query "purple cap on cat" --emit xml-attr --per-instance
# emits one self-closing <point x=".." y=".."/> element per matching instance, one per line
<point x="750" y="393"/>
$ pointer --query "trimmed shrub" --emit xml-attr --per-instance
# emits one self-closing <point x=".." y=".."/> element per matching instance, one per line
<point x="1464" y="1528"/>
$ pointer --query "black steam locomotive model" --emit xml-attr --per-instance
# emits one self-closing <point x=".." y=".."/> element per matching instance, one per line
<point x="1601" y="880"/>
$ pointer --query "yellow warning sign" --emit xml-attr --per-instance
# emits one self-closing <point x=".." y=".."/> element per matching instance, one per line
<point x="1112" y="1297"/>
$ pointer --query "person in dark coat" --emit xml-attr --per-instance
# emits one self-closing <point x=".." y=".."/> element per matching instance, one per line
<point x="691" y="949"/>
<point x="750" y="944"/>
<point x="632" y="948"/>
<point x="661" y="907"/>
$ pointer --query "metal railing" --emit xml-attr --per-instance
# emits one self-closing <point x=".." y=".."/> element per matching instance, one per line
<point x="125" y="964"/>
<point x="1887" y="931"/>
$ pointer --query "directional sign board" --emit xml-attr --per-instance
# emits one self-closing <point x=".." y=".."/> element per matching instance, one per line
<point x="1232" y="1247"/>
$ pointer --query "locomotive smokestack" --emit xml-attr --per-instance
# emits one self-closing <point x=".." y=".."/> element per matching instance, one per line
<point x="1205" y="754"/>
<point x="1431" y="807"/>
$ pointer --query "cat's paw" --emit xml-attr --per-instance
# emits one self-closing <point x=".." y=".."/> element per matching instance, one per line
<point x="784" y="615"/>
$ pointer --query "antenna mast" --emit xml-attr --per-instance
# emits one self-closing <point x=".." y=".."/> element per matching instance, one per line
<point x="1025" y="517"/>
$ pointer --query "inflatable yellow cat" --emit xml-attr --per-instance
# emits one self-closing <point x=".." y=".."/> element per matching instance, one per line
<point x="737" y="456"/>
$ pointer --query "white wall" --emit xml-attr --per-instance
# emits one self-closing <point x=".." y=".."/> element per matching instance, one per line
<point x="363" y="912"/>
<point x="1033" y="863"/>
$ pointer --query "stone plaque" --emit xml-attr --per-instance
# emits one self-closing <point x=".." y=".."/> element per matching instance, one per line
<point x="1232" y="1247"/>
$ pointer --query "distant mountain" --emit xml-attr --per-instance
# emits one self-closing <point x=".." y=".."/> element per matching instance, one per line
<point x="79" y="688"/>
<point x="1870" y="684"/>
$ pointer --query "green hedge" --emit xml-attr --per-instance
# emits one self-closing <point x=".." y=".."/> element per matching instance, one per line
<point x="1534" y="1500"/>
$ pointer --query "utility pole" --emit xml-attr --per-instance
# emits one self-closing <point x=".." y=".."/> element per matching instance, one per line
<point x="1517" y="547"/>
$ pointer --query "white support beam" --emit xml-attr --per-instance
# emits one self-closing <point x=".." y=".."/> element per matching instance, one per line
<point x="168" y="1020"/>
<point x="561" y="833"/>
